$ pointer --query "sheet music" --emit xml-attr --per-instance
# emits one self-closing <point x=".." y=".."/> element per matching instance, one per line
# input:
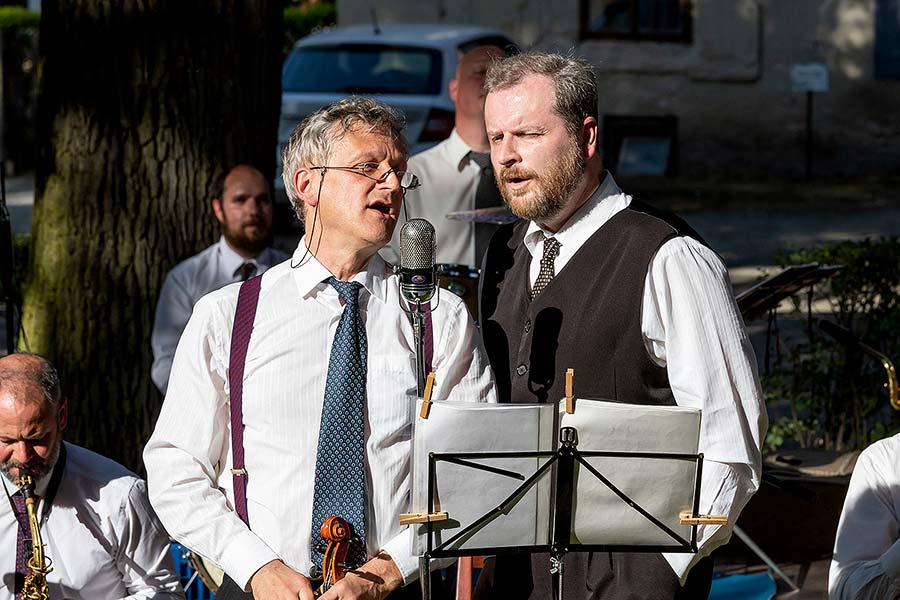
<point x="467" y="493"/>
<point x="663" y="487"/>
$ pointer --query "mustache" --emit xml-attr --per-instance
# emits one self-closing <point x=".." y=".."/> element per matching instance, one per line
<point x="37" y="467"/>
<point x="517" y="172"/>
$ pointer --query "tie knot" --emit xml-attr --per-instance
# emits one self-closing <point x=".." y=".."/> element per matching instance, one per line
<point x="246" y="271"/>
<point x="551" y="248"/>
<point x="348" y="290"/>
<point x="482" y="159"/>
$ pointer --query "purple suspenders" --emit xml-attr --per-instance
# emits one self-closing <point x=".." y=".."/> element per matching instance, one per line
<point x="244" y="315"/>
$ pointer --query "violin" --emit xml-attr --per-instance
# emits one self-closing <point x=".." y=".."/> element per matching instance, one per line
<point x="339" y="534"/>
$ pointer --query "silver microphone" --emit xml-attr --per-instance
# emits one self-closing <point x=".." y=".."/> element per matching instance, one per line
<point x="417" y="272"/>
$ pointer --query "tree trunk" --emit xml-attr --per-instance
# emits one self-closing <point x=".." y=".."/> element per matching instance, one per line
<point x="142" y="103"/>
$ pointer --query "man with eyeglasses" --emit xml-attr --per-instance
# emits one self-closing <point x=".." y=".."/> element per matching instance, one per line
<point x="321" y="394"/>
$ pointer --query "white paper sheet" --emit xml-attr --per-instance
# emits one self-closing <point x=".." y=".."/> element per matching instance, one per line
<point x="467" y="493"/>
<point x="662" y="487"/>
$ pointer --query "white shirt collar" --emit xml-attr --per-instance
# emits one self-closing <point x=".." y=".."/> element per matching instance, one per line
<point x="231" y="260"/>
<point x="310" y="274"/>
<point x="457" y="151"/>
<point x="605" y="202"/>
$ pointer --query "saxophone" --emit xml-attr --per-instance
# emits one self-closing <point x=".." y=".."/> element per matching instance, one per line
<point x="35" y="587"/>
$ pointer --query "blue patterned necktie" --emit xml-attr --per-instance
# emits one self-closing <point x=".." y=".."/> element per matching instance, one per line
<point x="340" y="487"/>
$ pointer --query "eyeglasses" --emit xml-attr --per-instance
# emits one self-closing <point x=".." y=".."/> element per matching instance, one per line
<point x="408" y="181"/>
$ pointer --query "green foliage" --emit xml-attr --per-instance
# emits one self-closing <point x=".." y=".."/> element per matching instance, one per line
<point x="16" y="17"/>
<point x="825" y="394"/>
<point x="304" y="19"/>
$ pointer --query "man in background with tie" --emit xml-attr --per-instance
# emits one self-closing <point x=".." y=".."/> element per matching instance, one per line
<point x="242" y="204"/>
<point x="100" y="534"/>
<point x="457" y="174"/>
<point x="632" y="299"/>
<point x="260" y="440"/>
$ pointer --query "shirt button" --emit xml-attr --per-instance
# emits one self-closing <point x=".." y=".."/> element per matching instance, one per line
<point x="521" y="370"/>
<point x="527" y="325"/>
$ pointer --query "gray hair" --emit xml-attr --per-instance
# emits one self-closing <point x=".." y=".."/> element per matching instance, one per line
<point x="573" y="79"/>
<point x="22" y="369"/>
<point x="311" y="141"/>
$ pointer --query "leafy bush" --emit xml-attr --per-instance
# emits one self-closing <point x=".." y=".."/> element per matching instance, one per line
<point x="829" y="395"/>
<point x="16" y="17"/>
<point x="306" y="18"/>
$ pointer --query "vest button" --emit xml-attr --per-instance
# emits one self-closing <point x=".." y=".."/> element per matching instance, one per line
<point x="521" y="370"/>
<point x="527" y="325"/>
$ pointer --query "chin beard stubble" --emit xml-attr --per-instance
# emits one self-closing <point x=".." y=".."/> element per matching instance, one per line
<point x="37" y="468"/>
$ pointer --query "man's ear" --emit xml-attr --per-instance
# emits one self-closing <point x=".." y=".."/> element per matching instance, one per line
<point x="590" y="131"/>
<point x="306" y="185"/>
<point x="217" y="210"/>
<point x="453" y="88"/>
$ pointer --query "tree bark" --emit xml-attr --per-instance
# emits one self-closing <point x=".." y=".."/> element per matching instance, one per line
<point x="142" y="104"/>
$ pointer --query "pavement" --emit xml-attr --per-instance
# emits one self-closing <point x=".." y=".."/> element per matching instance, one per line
<point x="746" y="222"/>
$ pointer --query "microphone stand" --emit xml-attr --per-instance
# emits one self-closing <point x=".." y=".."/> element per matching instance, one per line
<point x="418" y="319"/>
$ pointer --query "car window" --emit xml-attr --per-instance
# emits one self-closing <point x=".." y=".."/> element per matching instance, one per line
<point x="363" y="69"/>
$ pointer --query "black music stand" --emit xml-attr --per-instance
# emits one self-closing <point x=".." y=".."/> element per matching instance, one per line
<point x="560" y="524"/>
<point x="765" y="296"/>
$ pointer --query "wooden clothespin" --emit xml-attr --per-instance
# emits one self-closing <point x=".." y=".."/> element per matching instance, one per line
<point x="687" y="518"/>
<point x="409" y="518"/>
<point x="570" y="396"/>
<point x="426" y="397"/>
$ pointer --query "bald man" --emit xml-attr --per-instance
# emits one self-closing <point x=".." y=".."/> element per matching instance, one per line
<point x="95" y="519"/>
<point x="456" y="174"/>
<point x="242" y="204"/>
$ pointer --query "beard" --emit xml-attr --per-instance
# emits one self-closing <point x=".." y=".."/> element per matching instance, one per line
<point x="240" y="238"/>
<point x="37" y="467"/>
<point x="548" y="193"/>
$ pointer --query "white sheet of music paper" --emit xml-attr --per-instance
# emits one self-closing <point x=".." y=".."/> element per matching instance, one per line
<point x="467" y="493"/>
<point x="663" y="487"/>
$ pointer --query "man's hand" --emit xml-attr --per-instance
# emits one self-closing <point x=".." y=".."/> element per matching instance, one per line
<point x="277" y="581"/>
<point x="375" y="580"/>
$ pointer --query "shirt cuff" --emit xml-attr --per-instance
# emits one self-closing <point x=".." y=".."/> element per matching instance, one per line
<point x="890" y="561"/>
<point x="400" y="550"/>
<point x="244" y="556"/>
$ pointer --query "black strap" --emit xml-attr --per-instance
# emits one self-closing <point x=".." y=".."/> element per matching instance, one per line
<point x="55" y="480"/>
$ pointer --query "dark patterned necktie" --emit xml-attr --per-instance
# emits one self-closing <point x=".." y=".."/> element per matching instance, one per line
<point x="340" y="487"/>
<point x="548" y="269"/>
<point x="23" y="542"/>
<point x="246" y="271"/>
<point x="486" y="196"/>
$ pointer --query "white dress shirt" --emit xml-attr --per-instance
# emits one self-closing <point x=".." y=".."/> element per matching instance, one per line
<point x="189" y="456"/>
<point x="691" y="326"/>
<point x="100" y="532"/>
<point x="866" y="562"/>
<point x="186" y="283"/>
<point x="449" y="181"/>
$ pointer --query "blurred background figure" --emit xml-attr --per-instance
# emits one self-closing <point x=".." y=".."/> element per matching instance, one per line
<point x="456" y="174"/>
<point x="242" y="203"/>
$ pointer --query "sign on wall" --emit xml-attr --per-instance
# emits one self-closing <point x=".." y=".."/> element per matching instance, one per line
<point x="809" y="77"/>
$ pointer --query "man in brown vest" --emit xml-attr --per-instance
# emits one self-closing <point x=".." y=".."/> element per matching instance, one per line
<point x="630" y="298"/>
